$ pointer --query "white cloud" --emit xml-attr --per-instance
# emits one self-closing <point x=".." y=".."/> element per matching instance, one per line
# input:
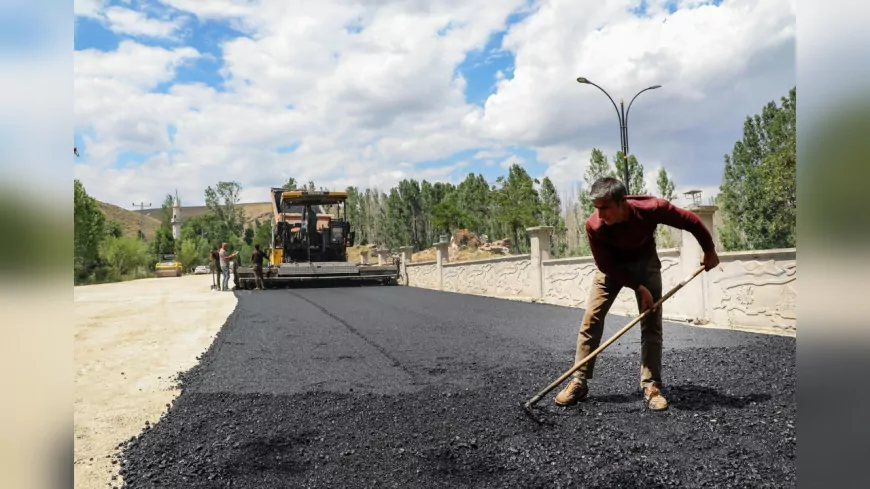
<point x="486" y="154"/>
<point x="368" y="106"/>
<point x="132" y="65"/>
<point x="512" y="160"/>
<point x="89" y="8"/>
<point x="133" y="23"/>
<point x="704" y="58"/>
<point x="115" y="108"/>
<point x="129" y="22"/>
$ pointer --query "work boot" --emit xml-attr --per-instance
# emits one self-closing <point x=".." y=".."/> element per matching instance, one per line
<point x="573" y="392"/>
<point x="654" y="398"/>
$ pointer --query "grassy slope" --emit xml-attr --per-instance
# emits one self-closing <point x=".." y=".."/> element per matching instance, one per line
<point x="129" y="220"/>
<point x="253" y="211"/>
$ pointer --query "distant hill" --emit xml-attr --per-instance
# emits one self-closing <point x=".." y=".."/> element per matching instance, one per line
<point x="129" y="220"/>
<point x="253" y="211"/>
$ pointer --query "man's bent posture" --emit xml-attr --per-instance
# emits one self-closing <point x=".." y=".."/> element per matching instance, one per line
<point x="621" y="235"/>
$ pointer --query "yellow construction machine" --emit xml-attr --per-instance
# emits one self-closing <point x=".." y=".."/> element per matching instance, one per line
<point x="168" y="267"/>
<point x="310" y="237"/>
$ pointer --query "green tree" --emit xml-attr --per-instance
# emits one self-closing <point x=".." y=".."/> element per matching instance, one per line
<point x="223" y="201"/>
<point x="665" y="185"/>
<point x="124" y="256"/>
<point x="517" y="205"/>
<point x="473" y="197"/>
<point x="355" y="209"/>
<point x="189" y="254"/>
<point x="114" y="229"/>
<point x="428" y="201"/>
<point x="551" y="215"/>
<point x="759" y="185"/>
<point x="263" y="234"/>
<point x="88" y="234"/>
<point x="598" y="168"/>
<point x="665" y="189"/>
<point x="290" y="185"/>
<point x="163" y="242"/>
<point x="637" y="182"/>
<point x="409" y="192"/>
<point x="447" y="216"/>
<point x="397" y="230"/>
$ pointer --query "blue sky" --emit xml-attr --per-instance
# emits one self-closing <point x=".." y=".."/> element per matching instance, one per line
<point x="480" y="69"/>
<point x="543" y="117"/>
<point x="203" y="35"/>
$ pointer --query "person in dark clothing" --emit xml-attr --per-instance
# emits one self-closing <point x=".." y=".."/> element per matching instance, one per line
<point x="216" y="267"/>
<point x="311" y="225"/>
<point x="621" y="235"/>
<point x="257" y="258"/>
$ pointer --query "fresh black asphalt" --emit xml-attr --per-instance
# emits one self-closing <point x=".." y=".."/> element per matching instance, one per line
<point x="406" y="387"/>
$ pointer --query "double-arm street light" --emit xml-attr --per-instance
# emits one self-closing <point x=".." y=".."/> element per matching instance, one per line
<point x="623" y="121"/>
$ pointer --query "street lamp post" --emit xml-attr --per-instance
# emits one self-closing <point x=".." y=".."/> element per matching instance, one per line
<point x="623" y="122"/>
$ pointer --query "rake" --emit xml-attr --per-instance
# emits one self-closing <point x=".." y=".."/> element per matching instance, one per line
<point x="527" y="407"/>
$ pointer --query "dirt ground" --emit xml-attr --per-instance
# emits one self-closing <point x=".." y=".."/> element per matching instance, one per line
<point x="131" y="339"/>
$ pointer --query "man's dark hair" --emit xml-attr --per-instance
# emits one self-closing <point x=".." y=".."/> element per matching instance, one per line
<point x="608" y="188"/>
<point x="257" y="246"/>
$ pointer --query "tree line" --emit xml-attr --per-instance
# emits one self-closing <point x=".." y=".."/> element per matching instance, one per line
<point x="417" y="213"/>
<point x="757" y="202"/>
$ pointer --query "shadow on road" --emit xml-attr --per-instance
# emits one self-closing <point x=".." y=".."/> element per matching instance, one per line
<point x="615" y="398"/>
<point x="690" y="397"/>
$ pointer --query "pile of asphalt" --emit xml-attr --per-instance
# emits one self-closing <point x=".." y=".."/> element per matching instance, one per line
<point x="731" y="423"/>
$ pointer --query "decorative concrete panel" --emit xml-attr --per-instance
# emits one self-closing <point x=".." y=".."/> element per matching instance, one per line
<point x="567" y="281"/>
<point x="750" y="290"/>
<point x="423" y="274"/>
<point x="755" y="290"/>
<point x="501" y="277"/>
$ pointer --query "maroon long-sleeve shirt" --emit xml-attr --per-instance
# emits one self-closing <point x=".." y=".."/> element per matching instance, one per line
<point x="634" y="239"/>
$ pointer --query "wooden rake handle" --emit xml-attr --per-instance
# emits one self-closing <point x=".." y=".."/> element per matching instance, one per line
<point x="607" y="343"/>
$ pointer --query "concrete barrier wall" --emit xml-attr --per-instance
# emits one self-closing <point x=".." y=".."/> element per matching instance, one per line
<point x="749" y="290"/>
<point x="754" y="289"/>
<point x="500" y="277"/>
<point x="567" y="281"/>
<point x="423" y="274"/>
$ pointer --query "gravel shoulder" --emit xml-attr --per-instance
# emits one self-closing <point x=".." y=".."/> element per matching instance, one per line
<point x="404" y="387"/>
<point x="130" y="339"/>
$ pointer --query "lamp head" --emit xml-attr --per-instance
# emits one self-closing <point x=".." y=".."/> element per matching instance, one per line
<point x="582" y="80"/>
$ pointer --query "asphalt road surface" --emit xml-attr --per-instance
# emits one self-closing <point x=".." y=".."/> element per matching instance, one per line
<point x="405" y="387"/>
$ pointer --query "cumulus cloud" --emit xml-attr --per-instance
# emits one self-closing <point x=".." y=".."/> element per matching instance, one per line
<point x="89" y="8"/>
<point x="365" y="92"/>
<point x="717" y="64"/>
<point x="116" y="109"/>
<point x="151" y="21"/>
<point x="131" y="22"/>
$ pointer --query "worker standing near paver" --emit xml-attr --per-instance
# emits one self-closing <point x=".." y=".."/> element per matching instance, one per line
<point x="621" y="235"/>
<point x="225" y="265"/>
<point x="215" y="268"/>
<point x="257" y="258"/>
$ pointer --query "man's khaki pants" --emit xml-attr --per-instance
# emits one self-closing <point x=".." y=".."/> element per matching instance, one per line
<point x="258" y="275"/>
<point x="601" y="297"/>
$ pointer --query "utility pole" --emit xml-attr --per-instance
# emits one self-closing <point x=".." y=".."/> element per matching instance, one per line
<point x="142" y="216"/>
<point x="623" y="123"/>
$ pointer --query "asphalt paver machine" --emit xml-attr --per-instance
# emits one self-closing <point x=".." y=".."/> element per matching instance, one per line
<point x="309" y="242"/>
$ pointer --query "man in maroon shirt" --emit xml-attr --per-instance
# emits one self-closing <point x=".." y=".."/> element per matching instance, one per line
<point x="621" y="235"/>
